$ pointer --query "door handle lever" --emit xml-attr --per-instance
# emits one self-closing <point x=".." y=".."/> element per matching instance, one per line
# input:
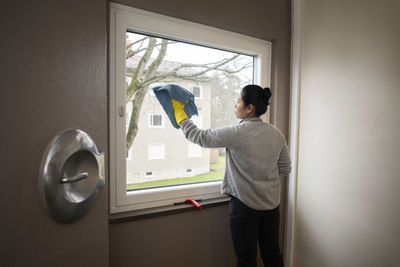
<point x="74" y="178"/>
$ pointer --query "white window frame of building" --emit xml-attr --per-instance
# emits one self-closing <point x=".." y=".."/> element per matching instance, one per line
<point x="151" y="121"/>
<point x="156" y="151"/>
<point x="124" y="18"/>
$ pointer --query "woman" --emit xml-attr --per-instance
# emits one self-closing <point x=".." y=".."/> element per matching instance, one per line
<point x="256" y="154"/>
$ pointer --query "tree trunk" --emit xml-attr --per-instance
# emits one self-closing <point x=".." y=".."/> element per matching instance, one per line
<point x="137" y="101"/>
<point x="133" y="121"/>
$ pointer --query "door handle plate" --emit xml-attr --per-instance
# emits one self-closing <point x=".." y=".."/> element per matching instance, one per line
<point x="71" y="174"/>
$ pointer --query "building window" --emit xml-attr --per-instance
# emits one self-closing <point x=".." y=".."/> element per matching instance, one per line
<point x="128" y="155"/>
<point x="218" y="62"/>
<point x="156" y="151"/>
<point x="127" y="116"/>
<point x="196" y="91"/>
<point x="156" y="121"/>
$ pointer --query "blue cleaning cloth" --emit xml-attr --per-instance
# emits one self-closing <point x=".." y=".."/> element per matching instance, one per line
<point x="167" y="92"/>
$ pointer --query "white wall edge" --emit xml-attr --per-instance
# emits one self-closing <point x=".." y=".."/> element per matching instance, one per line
<point x="293" y="132"/>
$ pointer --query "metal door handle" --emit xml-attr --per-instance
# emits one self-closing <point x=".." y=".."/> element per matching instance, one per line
<point x="74" y="178"/>
<point x="71" y="174"/>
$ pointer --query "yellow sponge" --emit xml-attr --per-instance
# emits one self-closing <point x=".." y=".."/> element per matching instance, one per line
<point x="179" y="113"/>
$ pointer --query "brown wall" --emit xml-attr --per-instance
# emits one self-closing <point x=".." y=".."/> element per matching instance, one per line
<point x="53" y="76"/>
<point x="203" y="238"/>
<point x="195" y="239"/>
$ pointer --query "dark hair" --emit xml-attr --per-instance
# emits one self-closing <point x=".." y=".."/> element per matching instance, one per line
<point x="257" y="96"/>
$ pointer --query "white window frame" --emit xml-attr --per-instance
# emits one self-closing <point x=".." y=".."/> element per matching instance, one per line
<point x="123" y="18"/>
<point x="151" y="115"/>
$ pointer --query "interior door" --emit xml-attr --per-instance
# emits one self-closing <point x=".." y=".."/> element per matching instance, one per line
<point x="53" y="71"/>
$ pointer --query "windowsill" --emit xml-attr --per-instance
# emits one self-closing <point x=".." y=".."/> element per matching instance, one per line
<point x="121" y="217"/>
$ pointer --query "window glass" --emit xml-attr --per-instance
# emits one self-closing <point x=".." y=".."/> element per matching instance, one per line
<point x="195" y="91"/>
<point x="156" y="120"/>
<point x="215" y="78"/>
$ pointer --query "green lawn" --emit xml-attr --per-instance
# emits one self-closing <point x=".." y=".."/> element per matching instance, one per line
<point x="216" y="173"/>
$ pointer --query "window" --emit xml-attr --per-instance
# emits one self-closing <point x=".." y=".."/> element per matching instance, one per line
<point x="196" y="91"/>
<point x="127" y="116"/>
<point x="156" y="121"/>
<point x="213" y="64"/>
<point x="128" y="155"/>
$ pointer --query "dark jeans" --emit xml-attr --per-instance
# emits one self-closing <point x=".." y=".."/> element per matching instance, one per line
<point x="249" y="226"/>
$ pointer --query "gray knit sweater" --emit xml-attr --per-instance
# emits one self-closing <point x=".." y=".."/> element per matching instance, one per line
<point x="256" y="154"/>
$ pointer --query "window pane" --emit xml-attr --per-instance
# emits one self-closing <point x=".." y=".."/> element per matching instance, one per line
<point x="214" y="76"/>
<point x="157" y="120"/>
<point x="196" y="91"/>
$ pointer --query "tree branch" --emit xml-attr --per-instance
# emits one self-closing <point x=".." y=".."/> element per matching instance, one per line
<point x="132" y="44"/>
<point x="157" y="62"/>
<point x="140" y="94"/>
<point x="236" y="70"/>
<point x="131" y="53"/>
<point x="137" y="76"/>
<point x="174" y="72"/>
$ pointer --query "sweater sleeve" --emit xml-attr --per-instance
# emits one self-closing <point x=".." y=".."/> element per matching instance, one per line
<point x="284" y="162"/>
<point x="210" y="138"/>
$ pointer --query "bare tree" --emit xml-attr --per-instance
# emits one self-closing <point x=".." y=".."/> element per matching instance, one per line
<point x="146" y="73"/>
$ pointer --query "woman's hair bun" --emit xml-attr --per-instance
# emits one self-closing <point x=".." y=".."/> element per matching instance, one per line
<point x="267" y="94"/>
